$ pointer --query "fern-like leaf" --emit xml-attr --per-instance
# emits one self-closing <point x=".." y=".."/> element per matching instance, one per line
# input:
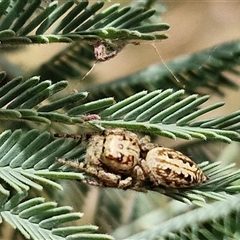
<point x="17" y="98"/>
<point x="216" y="221"/>
<point x="21" y="99"/>
<point x="37" y="219"/>
<point x="158" y="112"/>
<point x="82" y="22"/>
<point x="166" y="113"/>
<point x="31" y="156"/>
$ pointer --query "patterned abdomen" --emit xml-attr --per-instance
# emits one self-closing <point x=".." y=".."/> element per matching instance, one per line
<point x="173" y="169"/>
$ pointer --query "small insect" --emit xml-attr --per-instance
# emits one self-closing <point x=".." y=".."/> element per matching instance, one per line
<point x="90" y="117"/>
<point x="119" y="158"/>
<point x="105" y="50"/>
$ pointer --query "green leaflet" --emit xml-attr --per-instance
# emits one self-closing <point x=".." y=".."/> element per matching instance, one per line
<point x="165" y="113"/>
<point x="80" y="19"/>
<point x="169" y="114"/>
<point x="23" y="156"/>
<point x="209" y="222"/>
<point x="149" y="102"/>
<point x="37" y="219"/>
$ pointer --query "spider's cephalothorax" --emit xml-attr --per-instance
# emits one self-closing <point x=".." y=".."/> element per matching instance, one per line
<point x="118" y="158"/>
<point x="117" y="149"/>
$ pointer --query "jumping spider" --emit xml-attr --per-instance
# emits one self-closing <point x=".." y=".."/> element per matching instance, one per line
<point x="119" y="158"/>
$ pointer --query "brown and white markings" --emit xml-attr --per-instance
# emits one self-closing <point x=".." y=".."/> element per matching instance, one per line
<point x="119" y="158"/>
<point x="112" y="158"/>
<point x="173" y="169"/>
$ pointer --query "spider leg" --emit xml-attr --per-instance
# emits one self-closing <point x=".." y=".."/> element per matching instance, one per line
<point x="109" y="179"/>
<point x="92" y="182"/>
<point x="82" y="166"/>
<point x="145" y="168"/>
<point x="125" y="183"/>
<point x="146" y="144"/>
<point x="122" y="184"/>
<point x="141" y="174"/>
<point x="83" y="137"/>
<point x="74" y="164"/>
<point x="103" y="178"/>
<point x="113" y="180"/>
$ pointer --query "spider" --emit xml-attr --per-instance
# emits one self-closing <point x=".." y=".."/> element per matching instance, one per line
<point x="119" y="158"/>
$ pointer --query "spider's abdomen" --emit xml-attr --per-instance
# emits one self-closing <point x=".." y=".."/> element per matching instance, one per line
<point x="171" y="168"/>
